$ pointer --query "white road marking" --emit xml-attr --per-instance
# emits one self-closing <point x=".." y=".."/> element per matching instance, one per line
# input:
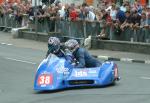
<point x="103" y="57"/>
<point x="3" y="43"/>
<point x="6" y="44"/>
<point x="9" y="44"/>
<point x="147" y="62"/>
<point x="148" y="78"/>
<point x="126" y="59"/>
<point x="21" y="61"/>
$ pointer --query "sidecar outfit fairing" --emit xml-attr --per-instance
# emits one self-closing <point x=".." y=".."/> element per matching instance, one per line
<point x="56" y="73"/>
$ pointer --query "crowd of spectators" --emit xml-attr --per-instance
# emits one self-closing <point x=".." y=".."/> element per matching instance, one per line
<point x="118" y="16"/>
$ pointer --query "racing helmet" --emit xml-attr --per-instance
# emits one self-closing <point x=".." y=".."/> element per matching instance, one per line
<point x="72" y="44"/>
<point x="53" y="44"/>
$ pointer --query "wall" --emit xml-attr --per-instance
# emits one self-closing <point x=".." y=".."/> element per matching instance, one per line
<point x="135" y="47"/>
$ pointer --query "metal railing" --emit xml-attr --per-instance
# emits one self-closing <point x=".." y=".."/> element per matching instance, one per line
<point x="76" y="29"/>
<point x="9" y="21"/>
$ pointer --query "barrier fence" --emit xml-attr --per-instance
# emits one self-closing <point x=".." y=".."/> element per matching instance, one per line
<point x="9" y="21"/>
<point x="75" y="29"/>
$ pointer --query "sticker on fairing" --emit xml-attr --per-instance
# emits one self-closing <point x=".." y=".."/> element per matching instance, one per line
<point x="80" y="73"/>
<point x="60" y="68"/>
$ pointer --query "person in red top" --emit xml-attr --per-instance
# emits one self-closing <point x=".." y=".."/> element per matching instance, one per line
<point x="108" y="18"/>
<point x="73" y="15"/>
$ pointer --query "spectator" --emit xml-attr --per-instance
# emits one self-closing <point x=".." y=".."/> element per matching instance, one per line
<point x="106" y="19"/>
<point x="113" y="12"/>
<point x="51" y="1"/>
<point x="127" y="22"/>
<point x="52" y="17"/>
<point x="135" y="18"/>
<point x="123" y="7"/>
<point x="117" y="28"/>
<point x="147" y="10"/>
<point x="67" y="7"/>
<point x="137" y="6"/>
<point x="81" y="13"/>
<point x="90" y="16"/>
<point x="45" y="1"/>
<point x="30" y="12"/>
<point x="143" y="22"/>
<point x="128" y="7"/>
<point x="120" y="15"/>
<point x="73" y="13"/>
<point x="143" y="26"/>
<point x="61" y="11"/>
<point x="98" y="15"/>
<point x="148" y="19"/>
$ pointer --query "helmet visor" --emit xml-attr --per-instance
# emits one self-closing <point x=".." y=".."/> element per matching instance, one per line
<point x="53" y="48"/>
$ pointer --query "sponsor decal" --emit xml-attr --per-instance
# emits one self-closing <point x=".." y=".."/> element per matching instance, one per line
<point x="81" y="73"/>
<point x="62" y="70"/>
<point x="92" y="71"/>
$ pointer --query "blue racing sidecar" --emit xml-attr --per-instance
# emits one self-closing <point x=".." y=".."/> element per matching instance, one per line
<point x="56" y="73"/>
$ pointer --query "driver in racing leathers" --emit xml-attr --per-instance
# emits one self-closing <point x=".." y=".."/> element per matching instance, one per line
<point x="82" y="56"/>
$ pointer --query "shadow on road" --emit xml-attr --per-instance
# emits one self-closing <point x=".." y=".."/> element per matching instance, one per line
<point x="74" y="88"/>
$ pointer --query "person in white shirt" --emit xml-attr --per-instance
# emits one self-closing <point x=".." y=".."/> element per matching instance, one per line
<point x="61" y="11"/>
<point x="123" y="8"/>
<point x="90" y="16"/>
<point x="113" y="12"/>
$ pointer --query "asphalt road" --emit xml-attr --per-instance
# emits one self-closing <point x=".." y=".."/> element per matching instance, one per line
<point x="18" y="66"/>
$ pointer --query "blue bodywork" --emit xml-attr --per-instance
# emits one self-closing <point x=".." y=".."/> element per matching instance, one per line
<point x="56" y="73"/>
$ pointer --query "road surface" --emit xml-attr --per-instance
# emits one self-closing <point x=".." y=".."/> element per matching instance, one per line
<point x="18" y="66"/>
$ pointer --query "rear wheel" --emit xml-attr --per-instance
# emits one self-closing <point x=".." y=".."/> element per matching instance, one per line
<point x="116" y="73"/>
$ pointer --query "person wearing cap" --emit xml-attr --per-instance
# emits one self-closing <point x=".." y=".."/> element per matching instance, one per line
<point x="82" y="56"/>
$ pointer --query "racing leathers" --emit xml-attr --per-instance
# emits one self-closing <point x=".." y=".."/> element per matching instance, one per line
<point x="60" y="53"/>
<point x="85" y="59"/>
